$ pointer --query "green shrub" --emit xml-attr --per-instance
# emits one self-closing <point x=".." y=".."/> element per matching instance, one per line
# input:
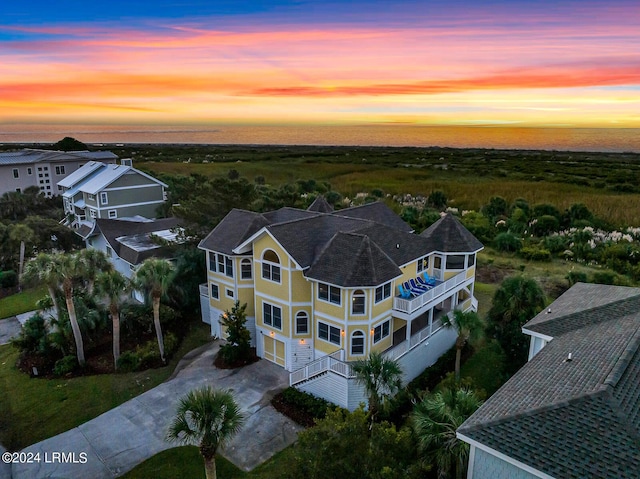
<point x="507" y="242"/>
<point x="604" y="277"/>
<point x="128" y="361"/>
<point x="545" y="225"/>
<point x="310" y="404"/>
<point x="34" y="337"/>
<point x="576" y="277"/>
<point x="149" y="354"/>
<point x="65" y="365"/>
<point x="555" y="244"/>
<point x="8" y="279"/>
<point x="535" y="254"/>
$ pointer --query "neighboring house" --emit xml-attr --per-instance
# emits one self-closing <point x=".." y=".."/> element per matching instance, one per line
<point x="109" y="191"/>
<point x="321" y="289"/>
<point x="44" y="168"/>
<point x="573" y="411"/>
<point x="128" y="243"/>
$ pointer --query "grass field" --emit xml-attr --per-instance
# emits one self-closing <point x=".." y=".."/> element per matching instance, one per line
<point x="21" y="302"/>
<point x="33" y="409"/>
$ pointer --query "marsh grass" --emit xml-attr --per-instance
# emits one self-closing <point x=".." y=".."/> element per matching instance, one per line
<point x="605" y="182"/>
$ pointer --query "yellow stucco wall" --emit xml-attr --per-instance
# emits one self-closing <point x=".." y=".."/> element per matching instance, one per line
<point x="265" y="286"/>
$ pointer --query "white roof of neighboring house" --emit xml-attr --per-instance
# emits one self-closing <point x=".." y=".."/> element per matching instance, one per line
<point x="80" y="174"/>
<point x="109" y="175"/>
<point x="31" y="156"/>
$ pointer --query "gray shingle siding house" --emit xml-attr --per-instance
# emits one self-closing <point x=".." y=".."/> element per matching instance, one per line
<point x="110" y="192"/>
<point x="44" y="168"/>
<point x="573" y="411"/>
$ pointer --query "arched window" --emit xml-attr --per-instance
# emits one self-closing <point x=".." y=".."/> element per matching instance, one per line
<point x="302" y="322"/>
<point x="245" y="269"/>
<point x="358" y="302"/>
<point x="271" y="266"/>
<point x="357" y="343"/>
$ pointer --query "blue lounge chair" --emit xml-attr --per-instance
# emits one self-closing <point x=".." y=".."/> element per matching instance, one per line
<point x="415" y="285"/>
<point x="429" y="280"/>
<point x="403" y="293"/>
<point x="412" y="290"/>
<point x="423" y="283"/>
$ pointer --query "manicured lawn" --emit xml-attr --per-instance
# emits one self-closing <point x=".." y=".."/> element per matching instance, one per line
<point x="185" y="462"/>
<point x="34" y="409"/>
<point x="21" y="302"/>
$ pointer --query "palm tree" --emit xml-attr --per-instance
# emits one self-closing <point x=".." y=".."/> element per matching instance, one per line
<point x="210" y="417"/>
<point x="67" y="270"/>
<point x="155" y="276"/>
<point x="469" y="327"/>
<point x="435" y="421"/>
<point x="91" y="262"/>
<point x="42" y="270"/>
<point x="516" y="301"/>
<point x="381" y="378"/>
<point x="113" y="285"/>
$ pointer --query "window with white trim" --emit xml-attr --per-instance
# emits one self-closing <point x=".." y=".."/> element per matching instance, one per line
<point x="113" y="214"/>
<point x="423" y="264"/>
<point x="471" y="261"/>
<point x="16" y="173"/>
<point x="221" y="263"/>
<point x="329" y="333"/>
<point x="229" y="293"/>
<point x="104" y="198"/>
<point x="302" y="322"/>
<point x="329" y="293"/>
<point x="246" y="269"/>
<point x="358" y="301"/>
<point x="215" y="291"/>
<point x="383" y="292"/>
<point x="272" y="315"/>
<point x="91" y="197"/>
<point x="456" y="261"/>
<point x="60" y="170"/>
<point x="381" y="331"/>
<point x="357" y="343"/>
<point x="271" y="266"/>
<point x="29" y="171"/>
<point x="92" y="213"/>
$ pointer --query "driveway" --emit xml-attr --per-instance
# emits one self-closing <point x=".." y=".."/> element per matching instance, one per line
<point x="115" y="442"/>
<point x="9" y="328"/>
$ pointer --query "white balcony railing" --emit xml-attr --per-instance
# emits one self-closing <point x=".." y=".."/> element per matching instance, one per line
<point x="413" y="304"/>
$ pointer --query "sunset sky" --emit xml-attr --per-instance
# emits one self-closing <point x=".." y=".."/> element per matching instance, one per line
<point x="521" y="63"/>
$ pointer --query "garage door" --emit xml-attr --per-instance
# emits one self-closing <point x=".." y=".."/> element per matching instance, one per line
<point x="273" y="350"/>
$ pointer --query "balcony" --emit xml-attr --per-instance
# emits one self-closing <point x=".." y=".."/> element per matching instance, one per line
<point x="411" y="305"/>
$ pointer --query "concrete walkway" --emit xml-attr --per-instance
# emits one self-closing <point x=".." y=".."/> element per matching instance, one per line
<point x="115" y="442"/>
<point x="10" y="327"/>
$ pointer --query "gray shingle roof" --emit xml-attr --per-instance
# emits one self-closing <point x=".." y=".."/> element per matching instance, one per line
<point x="577" y="418"/>
<point x="114" y="229"/>
<point x="351" y="260"/>
<point x="320" y="205"/>
<point x="31" y="156"/>
<point x="234" y="228"/>
<point x="378" y="212"/>
<point x="448" y="235"/>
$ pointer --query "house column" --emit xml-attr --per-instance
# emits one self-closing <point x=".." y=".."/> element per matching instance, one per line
<point x="408" y="334"/>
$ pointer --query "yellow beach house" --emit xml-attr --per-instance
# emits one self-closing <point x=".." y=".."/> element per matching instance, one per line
<point x="324" y="288"/>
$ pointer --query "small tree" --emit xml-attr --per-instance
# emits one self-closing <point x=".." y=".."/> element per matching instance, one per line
<point x="238" y="346"/>
<point x="469" y="326"/>
<point x="435" y="421"/>
<point x="113" y="285"/>
<point x="516" y="301"/>
<point x="209" y="417"/>
<point x="381" y="378"/>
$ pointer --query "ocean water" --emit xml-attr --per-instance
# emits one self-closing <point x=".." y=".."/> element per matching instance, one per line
<point x="567" y="139"/>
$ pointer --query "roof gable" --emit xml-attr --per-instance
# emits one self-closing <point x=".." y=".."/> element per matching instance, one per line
<point x="320" y="205"/>
<point x="448" y="235"/>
